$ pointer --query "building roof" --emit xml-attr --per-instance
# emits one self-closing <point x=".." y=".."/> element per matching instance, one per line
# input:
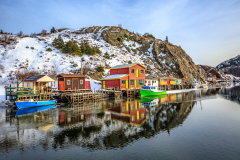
<point x="164" y="77"/>
<point x="39" y="78"/>
<point x="71" y="75"/>
<point x="150" y="77"/>
<point x="126" y="65"/>
<point x="116" y="76"/>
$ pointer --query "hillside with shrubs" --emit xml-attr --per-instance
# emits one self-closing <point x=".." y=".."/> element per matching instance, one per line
<point x="90" y="51"/>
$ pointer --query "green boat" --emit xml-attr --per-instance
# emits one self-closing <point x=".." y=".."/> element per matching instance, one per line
<point x="151" y="91"/>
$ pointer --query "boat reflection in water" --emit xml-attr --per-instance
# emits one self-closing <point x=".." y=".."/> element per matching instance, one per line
<point x="25" y="111"/>
<point x="167" y="112"/>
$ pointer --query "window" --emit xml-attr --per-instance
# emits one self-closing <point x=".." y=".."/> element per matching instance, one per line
<point x="123" y="81"/>
<point x="142" y="71"/>
<point x="28" y="84"/>
<point x="131" y="82"/>
<point x="141" y="82"/>
<point x="68" y="82"/>
<point x="132" y="71"/>
<point x="132" y="107"/>
<point x="81" y="81"/>
<point x="141" y="106"/>
<point x="142" y="115"/>
<point x="118" y="71"/>
<point x="133" y="118"/>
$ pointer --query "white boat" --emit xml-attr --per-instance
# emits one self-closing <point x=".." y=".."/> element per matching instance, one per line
<point x="195" y="84"/>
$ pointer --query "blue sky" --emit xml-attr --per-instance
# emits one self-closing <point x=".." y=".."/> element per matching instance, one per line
<point x="208" y="30"/>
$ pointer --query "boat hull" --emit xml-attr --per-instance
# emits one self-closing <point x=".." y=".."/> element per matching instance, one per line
<point x="22" y="104"/>
<point x="151" y="93"/>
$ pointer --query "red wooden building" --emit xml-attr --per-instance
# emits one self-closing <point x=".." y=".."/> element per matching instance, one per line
<point x="71" y="82"/>
<point x="125" y="76"/>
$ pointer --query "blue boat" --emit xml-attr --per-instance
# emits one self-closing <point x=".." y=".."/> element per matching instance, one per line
<point x="24" y="111"/>
<point x="31" y="103"/>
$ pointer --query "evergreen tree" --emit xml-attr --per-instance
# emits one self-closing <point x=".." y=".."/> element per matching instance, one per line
<point x="72" y="48"/>
<point x="53" y="30"/>
<point x="58" y="42"/>
<point x="166" y="39"/>
<point x="1" y="31"/>
<point x="83" y="47"/>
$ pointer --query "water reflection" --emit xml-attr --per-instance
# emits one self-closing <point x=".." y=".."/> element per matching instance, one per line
<point x="100" y="125"/>
<point x="130" y="111"/>
<point x="232" y="94"/>
<point x="24" y="111"/>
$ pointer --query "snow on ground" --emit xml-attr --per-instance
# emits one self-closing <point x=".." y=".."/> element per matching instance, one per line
<point x="2" y="93"/>
<point x="30" y="54"/>
<point x="95" y="85"/>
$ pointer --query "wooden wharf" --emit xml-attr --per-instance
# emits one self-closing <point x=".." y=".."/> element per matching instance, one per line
<point x="80" y="96"/>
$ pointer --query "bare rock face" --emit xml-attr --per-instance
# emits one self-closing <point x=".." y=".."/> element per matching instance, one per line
<point x="231" y="66"/>
<point x="159" y="56"/>
<point x="173" y="59"/>
<point x="210" y="71"/>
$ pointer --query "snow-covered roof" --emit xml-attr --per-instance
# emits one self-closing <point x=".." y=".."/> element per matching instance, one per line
<point x="116" y="76"/>
<point x="70" y="75"/>
<point x="126" y="65"/>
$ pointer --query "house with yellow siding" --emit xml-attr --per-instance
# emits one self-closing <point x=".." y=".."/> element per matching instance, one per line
<point x="39" y="83"/>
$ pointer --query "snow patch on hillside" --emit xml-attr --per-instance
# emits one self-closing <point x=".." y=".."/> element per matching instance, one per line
<point x="30" y="54"/>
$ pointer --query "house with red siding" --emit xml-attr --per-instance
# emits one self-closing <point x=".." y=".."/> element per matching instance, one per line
<point x="71" y="82"/>
<point x="125" y="76"/>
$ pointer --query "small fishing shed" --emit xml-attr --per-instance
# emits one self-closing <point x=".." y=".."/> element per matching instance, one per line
<point x="39" y="83"/>
<point x="151" y="81"/>
<point x="71" y="81"/>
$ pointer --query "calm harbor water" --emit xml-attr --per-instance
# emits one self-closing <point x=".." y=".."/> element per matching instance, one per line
<point x="194" y="125"/>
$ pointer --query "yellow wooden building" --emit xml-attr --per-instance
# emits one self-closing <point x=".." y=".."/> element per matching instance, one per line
<point x="41" y="83"/>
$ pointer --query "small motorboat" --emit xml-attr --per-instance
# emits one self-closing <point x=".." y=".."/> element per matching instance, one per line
<point x="25" y="111"/>
<point x="34" y="103"/>
<point x="151" y="91"/>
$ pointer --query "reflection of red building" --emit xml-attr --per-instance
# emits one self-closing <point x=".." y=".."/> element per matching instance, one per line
<point x="67" y="118"/>
<point x="132" y="112"/>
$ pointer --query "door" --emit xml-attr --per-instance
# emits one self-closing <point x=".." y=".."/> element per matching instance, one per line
<point x="75" y="84"/>
<point x="103" y="85"/>
<point x="61" y="85"/>
<point x="168" y="81"/>
<point x="137" y="72"/>
<point x="135" y="83"/>
<point x="87" y="85"/>
<point x="126" y="83"/>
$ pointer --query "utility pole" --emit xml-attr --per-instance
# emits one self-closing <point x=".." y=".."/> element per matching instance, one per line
<point x="81" y="68"/>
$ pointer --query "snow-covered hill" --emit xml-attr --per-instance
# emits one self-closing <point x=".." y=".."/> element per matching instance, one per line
<point x="30" y="54"/>
<point x="231" y="66"/>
